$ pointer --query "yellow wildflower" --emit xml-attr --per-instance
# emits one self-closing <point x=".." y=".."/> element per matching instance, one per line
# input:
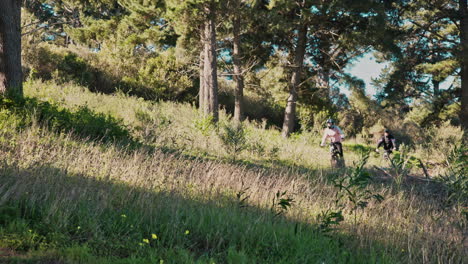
<point x="145" y="240"/>
<point x="123" y="216"/>
<point x="154" y="236"/>
<point x="187" y="232"/>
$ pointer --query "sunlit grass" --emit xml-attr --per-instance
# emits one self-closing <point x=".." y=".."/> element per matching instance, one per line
<point x="181" y="198"/>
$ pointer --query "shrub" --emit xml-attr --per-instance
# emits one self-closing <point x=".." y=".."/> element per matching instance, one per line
<point x="233" y="136"/>
<point x="351" y="122"/>
<point x="440" y="140"/>
<point x="456" y="175"/>
<point x="161" y="76"/>
<point x="204" y="125"/>
<point x="61" y="65"/>
<point x="164" y="77"/>
<point x="445" y="135"/>
<point x="256" y="107"/>
<point x="350" y="189"/>
<point x="82" y="122"/>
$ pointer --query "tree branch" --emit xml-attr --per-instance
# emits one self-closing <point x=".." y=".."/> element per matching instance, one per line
<point x="33" y="23"/>
<point x="39" y="28"/>
<point x="432" y="32"/>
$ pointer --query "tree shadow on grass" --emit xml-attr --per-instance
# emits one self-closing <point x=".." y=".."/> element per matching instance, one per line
<point x="88" y="125"/>
<point x="85" y="124"/>
<point x="425" y="189"/>
<point x="47" y="208"/>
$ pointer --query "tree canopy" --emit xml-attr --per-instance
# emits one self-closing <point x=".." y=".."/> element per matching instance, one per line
<point x="284" y="54"/>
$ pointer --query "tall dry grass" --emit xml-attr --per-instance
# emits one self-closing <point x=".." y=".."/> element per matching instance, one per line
<point x="185" y="183"/>
<point x="411" y="225"/>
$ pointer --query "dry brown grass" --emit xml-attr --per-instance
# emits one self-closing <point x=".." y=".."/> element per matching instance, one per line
<point x="412" y="222"/>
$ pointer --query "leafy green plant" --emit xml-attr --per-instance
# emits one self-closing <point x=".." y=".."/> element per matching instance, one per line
<point x="256" y="147"/>
<point x="455" y="177"/>
<point x="273" y="152"/>
<point x="233" y="136"/>
<point x="242" y="197"/>
<point x="281" y="203"/>
<point x="328" y="219"/>
<point x="204" y="125"/>
<point x="82" y="122"/>
<point x="353" y="189"/>
<point x="455" y="180"/>
<point x="401" y="165"/>
<point x="260" y="146"/>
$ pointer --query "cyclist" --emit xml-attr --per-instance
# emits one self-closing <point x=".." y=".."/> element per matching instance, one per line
<point x="335" y="135"/>
<point x="387" y="141"/>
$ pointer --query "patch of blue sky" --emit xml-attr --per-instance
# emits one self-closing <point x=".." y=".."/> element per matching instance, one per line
<point x="158" y="22"/>
<point x="49" y="8"/>
<point x="225" y="55"/>
<point x="151" y="47"/>
<point x="365" y="68"/>
<point x="49" y="37"/>
<point x="314" y="10"/>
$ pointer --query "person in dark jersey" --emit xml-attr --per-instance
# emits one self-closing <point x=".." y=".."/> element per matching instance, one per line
<point x="387" y="141"/>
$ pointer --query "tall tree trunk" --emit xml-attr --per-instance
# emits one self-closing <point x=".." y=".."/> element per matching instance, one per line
<point x="206" y="79"/>
<point x="436" y="87"/>
<point x="464" y="65"/>
<point x="210" y="64"/>
<point x="238" y="77"/>
<point x="10" y="48"/>
<point x="201" y="92"/>
<point x="290" y="112"/>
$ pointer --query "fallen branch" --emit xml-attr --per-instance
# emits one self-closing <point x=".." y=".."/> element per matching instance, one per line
<point x="424" y="169"/>
<point x="382" y="170"/>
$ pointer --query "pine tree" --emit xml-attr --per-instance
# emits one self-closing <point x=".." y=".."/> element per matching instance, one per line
<point x="463" y="13"/>
<point x="293" y="16"/>
<point x="329" y="35"/>
<point x="236" y="58"/>
<point x="196" y="20"/>
<point x="10" y="48"/>
<point x="431" y="43"/>
<point x="244" y="34"/>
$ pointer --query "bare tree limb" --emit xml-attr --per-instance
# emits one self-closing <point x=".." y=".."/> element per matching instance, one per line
<point x="39" y="28"/>
<point x="433" y="32"/>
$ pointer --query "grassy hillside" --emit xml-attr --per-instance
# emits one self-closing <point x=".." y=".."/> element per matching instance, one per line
<point x="90" y="178"/>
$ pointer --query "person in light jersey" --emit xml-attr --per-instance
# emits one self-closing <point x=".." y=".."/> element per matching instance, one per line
<point x="335" y="135"/>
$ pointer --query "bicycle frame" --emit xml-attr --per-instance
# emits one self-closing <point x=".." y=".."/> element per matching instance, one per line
<point x="335" y="158"/>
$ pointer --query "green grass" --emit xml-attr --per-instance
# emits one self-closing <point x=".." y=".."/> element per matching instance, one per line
<point x="51" y="208"/>
<point x="74" y="193"/>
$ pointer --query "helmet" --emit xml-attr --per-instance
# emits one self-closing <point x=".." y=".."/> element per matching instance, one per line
<point x="329" y="120"/>
<point x="386" y="131"/>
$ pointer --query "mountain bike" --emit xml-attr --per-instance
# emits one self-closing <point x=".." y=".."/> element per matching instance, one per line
<point x="336" y="160"/>
<point x="385" y="154"/>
